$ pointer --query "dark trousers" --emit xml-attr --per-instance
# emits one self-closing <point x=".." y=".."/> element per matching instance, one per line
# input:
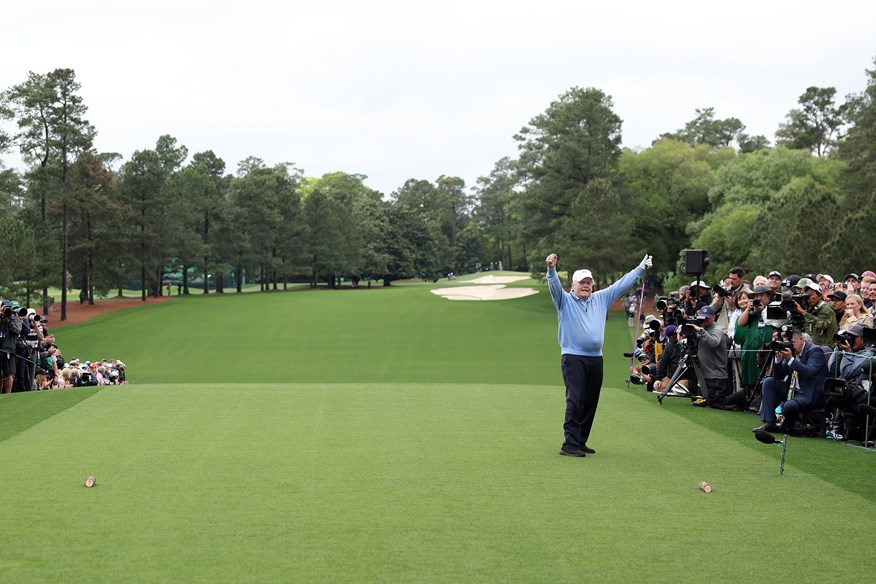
<point x="583" y="379"/>
<point x="775" y="392"/>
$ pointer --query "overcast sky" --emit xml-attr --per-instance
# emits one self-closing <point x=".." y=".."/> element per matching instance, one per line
<point x="397" y="90"/>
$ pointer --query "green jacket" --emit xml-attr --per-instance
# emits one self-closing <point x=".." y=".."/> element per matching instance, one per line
<point x="821" y="324"/>
<point x="751" y="337"/>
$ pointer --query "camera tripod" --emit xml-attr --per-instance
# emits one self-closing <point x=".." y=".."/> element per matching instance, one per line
<point x="687" y="362"/>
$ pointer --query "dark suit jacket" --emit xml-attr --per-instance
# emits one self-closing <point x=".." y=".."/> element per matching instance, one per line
<point x="811" y="368"/>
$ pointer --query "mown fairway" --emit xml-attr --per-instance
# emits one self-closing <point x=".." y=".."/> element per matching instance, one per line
<point x="390" y="435"/>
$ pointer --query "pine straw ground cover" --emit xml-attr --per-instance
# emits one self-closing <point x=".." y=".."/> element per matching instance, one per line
<point x="407" y="473"/>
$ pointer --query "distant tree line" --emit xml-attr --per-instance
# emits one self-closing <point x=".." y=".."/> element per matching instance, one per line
<point x="76" y="218"/>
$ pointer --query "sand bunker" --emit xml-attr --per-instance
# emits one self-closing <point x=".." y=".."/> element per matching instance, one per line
<point x="495" y="280"/>
<point x="490" y="292"/>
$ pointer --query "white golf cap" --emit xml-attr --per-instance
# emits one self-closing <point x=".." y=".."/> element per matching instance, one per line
<point x="581" y="274"/>
<point x="698" y="283"/>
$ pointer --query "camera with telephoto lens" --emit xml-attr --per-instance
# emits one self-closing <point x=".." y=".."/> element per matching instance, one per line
<point x="649" y="369"/>
<point x="786" y="332"/>
<point x="721" y="291"/>
<point x="844" y="337"/>
<point x="640" y="355"/>
<point x="778" y="345"/>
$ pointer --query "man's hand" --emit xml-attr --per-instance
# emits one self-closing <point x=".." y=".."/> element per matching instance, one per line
<point x="658" y="384"/>
<point x="785" y="354"/>
<point x="646" y="262"/>
<point x="799" y="309"/>
<point x="551" y="261"/>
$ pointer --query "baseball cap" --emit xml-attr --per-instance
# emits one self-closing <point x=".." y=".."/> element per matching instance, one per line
<point x="857" y="330"/>
<point x="852" y="275"/>
<point x="868" y="274"/>
<point x="670" y="330"/>
<point x="707" y="311"/>
<point x="581" y="274"/>
<point x="827" y="277"/>
<point x="792" y="281"/>
<point x="761" y="290"/>
<point x="807" y="283"/>
<point x="774" y="273"/>
<point x="838" y="295"/>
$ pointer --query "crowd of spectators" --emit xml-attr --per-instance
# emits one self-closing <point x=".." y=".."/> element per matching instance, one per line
<point x="30" y="359"/>
<point x="797" y="351"/>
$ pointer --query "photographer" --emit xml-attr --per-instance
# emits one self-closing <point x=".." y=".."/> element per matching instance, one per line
<point x="10" y="328"/>
<point x="752" y="333"/>
<point x="849" y="367"/>
<point x="800" y="369"/>
<point x="699" y="296"/>
<point x="818" y="317"/>
<point x="669" y="359"/>
<point x="24" y="354"/>
<point x="646" y="354"/>
<point x="725" y="303"/>
<point x="712" y="349"/>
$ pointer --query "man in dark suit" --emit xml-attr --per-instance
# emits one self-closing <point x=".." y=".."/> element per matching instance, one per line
<point x="810" y="365"/>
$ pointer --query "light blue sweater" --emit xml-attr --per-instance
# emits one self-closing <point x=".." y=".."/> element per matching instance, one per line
<point x="582" y="322"/>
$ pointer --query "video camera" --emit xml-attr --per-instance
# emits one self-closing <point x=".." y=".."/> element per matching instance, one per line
<point x="687" y="328"/>
<point x="784" y="311"/>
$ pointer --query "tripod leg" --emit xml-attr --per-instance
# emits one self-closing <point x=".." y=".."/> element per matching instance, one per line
<point x="679" y="374"/>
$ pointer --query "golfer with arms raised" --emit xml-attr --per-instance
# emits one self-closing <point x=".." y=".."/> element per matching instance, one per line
<point x="581" y="314"/>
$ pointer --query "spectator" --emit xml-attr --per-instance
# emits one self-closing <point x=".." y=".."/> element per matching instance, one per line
<point x="826" y="283"/>
<point x="818" y="316"/>
<point x="873" y="297"/>
<point x="838" y="298"/>
<point x="855" y="313"/>
<point x="800" y="372"/>
<point x="852" y="281"/>
<point x="864" y="292"/>
<point x="761" y="281"/>
<point x="774" y="283"/>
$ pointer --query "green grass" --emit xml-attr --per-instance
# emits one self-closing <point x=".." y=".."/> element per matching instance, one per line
<point x="426" y="458"/>
<point x="381" y="335"/>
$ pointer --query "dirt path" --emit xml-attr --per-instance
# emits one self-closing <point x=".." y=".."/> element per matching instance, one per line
<point x="78" y="313"/>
